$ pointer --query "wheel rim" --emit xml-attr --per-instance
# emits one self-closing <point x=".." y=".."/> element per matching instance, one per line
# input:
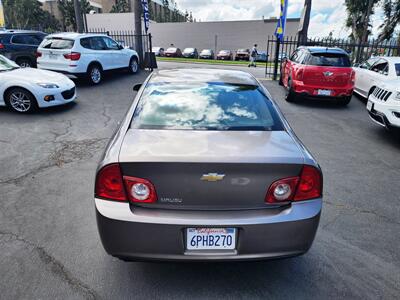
<point x="95" y="75"/>
<point x="20" y="101"/>
<point x="25" y="64"/>
<point x="134" y="66"/>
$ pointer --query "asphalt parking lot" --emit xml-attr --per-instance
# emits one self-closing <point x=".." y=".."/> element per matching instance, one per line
<point x="50" y="248"/>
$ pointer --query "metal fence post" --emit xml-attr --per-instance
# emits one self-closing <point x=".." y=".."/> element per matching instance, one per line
<point x="278" y="45"/>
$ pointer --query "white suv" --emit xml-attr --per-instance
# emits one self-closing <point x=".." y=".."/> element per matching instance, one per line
<point x="85" y="55"/>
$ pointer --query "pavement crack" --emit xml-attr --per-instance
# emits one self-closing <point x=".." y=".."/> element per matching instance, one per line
<point x="68" y="152"/>
<point x="55" y="265"/>
<point x="360" y="211"/>
<point x="106" y="116"/>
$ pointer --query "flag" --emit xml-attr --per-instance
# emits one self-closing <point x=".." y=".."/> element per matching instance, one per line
<point x="280" y="28"/>
<point x="2" y="23"/>
<point x="146" y="14"/>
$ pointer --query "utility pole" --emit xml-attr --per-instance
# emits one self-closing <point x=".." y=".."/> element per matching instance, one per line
<point x="305" y="22"/>
<point x="137" y="10"/>
<point x="78" y="16"/>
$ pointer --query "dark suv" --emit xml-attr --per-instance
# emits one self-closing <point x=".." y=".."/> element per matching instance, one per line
<point x="20" y="46"/>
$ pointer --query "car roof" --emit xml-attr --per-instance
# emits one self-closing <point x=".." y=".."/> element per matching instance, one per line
<point x="204" y="75"/>
<point x="74" y="35"/>
<point x="390" y="59"/>
<point x="332" y="50"/>
<point x="17" y="31"/>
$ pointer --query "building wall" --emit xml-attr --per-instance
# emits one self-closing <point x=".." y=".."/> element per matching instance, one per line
<point x="230" y="35"/>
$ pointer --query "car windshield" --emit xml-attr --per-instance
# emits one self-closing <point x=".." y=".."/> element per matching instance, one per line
<point x="205" y="106"/>
<point x="206" y="51"/>
<point x="397" y="68"/>
<point x="57" y="43"/>
<point x="242" y="50"/>
<point x="329" y="59"/>
<point x="171" y="49"/>
<point x="224" y="52"/>
<point x="156" y="48"/>
<point x="188" y="50"/>
<point x="7" y="65"/>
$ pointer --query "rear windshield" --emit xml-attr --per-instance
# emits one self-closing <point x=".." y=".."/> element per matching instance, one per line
<point x="205" y="106"/>
<point x="189" y="50"/>
<point x="329" y="59"/>
<point x="397" y="68"/>
<point x="171" y="49"/>
<point x="57" y="43"/>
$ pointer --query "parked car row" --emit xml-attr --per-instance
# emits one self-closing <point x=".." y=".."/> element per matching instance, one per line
<point x="88" y="56"/>
<point x="240" y="54"/>
<point x="326" y="73"/>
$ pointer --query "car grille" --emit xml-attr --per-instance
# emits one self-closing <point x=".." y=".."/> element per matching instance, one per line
<point x="381" y="94"/>
<point x="68" y="94"/>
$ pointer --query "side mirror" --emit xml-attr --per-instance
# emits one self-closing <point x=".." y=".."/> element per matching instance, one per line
<point x="137" y="87"/>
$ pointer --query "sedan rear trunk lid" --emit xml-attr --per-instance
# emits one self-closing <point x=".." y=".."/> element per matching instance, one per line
<point x="210" y="170"/>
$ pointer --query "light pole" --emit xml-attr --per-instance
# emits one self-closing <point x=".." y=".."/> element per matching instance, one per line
<point x="137" y="10"/>
<point x="78" y="16"/>
<point x="305" y="22"/>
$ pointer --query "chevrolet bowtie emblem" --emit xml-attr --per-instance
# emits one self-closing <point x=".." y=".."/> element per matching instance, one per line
<point x="328" y="74"/>
<point x="212" y="177"/>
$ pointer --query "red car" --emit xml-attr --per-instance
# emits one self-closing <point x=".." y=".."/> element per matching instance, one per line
<point x="173" y="52"/>
<point x="317" y="72"/>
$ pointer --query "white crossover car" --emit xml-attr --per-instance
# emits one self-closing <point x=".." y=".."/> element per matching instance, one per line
<point x="375" y="72"/>
<point x="384" y="105"/>
<point x="25" y="89"/>
<point x="85" y="55"/>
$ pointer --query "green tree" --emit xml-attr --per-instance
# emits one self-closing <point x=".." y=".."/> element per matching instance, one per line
<point x="166" y="14"/>
<point x="391" y="10"/>
<point x="28" y="14"/>
<point x="66" y="8"/>
<point x="359" y="14"/>
<point x="120" y="6"/>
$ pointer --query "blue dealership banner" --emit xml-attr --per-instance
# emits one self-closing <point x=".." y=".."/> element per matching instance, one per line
<point x="280" y="28"/>
<point x="146" y="14"/>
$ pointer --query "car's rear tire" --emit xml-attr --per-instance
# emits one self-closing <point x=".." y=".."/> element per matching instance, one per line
<point x="94" y="74"/>
<point x="20" y="100"/>
<point x="133" y="65"/>
<point x="25" y="62"/>
<point x="290" y="94"/>
<point x="345" y="101"/>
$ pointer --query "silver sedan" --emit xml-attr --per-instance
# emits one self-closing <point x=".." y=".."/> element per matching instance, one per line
<point x="204" y="167"/>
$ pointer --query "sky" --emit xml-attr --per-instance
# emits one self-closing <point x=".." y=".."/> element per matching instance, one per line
<point x="326" y="16"/>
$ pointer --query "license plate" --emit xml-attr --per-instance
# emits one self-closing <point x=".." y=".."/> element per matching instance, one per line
<point x="324" y="92"/>
<point x="53" y="56"/>
<point x="211" y="238"/>
<point x="370" y="105"/>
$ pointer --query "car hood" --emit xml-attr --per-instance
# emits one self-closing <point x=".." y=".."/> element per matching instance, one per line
<point x="210" y="146"/>
<point x="390" y="85"/>
<point x="32" y="75"/>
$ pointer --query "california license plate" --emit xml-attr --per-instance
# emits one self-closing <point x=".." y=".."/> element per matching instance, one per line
<point x="211" y="238"/>
<point x="370" y="105"/>
<point x="324" y="92"/>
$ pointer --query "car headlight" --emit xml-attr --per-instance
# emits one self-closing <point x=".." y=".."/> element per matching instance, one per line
<point x="397" y="96"/>
<point x="48" y="85"/>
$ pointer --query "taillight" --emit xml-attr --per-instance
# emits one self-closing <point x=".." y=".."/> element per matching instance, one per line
<point x="2" y="46"/>
<point x="140" y="190"/>
<point x="73" y="56"/>
<point x="300" y="75"/>
<point x="307" y="186"/>
<point x="38" y="54"/>
<point x="109" y="183"/>
<point x="353" y="77"/>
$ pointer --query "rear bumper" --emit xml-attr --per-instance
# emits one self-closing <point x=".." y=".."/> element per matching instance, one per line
<point x="147" y="234"/>
<point x="385" y="113"/>
<point x="312" y="90"/>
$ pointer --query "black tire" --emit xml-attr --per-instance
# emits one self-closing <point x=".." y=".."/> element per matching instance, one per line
<point x="21" y="100"/>
<point x="94" y="74"/>
<point x="290" y="94"/>
<point x="280" y="82"/>
<point x="133" y="67"/>
<point x="25" y="62"/>
<point x="345" y="101"/>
